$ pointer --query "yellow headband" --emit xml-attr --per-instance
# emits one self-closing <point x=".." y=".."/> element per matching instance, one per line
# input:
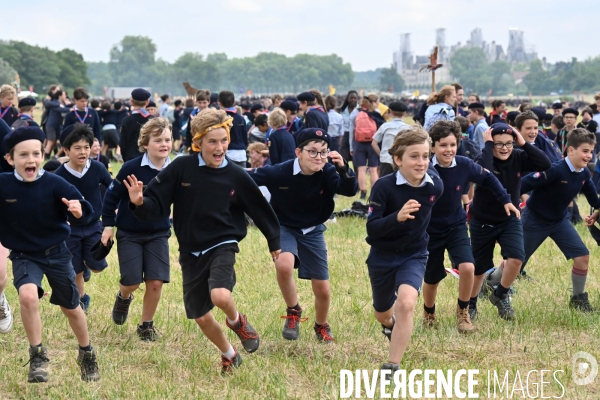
<point x="225" y="125"/>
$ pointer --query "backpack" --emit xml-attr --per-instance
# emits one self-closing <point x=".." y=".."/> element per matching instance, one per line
<point x="442" y="115"/>
<point x="365" y="127"/>
<point x="19" y="123"/>
<point x="468" y="148"/>
<point x="171" y="116"/>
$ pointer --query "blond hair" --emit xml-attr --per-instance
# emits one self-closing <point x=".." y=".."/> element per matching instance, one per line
<point x="416" y="134"/>
<point x="7" y="90"/>
<point x="277" y="118"/>
<point x="206" y="119"/>
<point x="154" y="127"/>
<point x="257" y="147"/>
<point x="440" y="97"/>
<point x="368" y="102"/>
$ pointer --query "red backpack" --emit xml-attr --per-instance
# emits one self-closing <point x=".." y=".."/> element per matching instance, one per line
<point x="365" y="127"/>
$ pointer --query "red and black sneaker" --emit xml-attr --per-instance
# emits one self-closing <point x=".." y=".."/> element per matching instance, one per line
<point x="291" y="328"/>
<point x="323" y="333"/>
<point x="228" y="364"/>
<point x="246" y="333"/>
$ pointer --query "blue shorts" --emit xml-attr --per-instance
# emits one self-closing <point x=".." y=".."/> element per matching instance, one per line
<point x="387" y="271"/>
<point x="508" y="234"/>
<point x="80" y="243"/>
<point x="458" y="244"/>
<point x="309" y="251"/>
<point x="536" y="230"/>
<point x="55" y="263"/>
<point x="143" y="256"/>
<point x="364" y="155"/>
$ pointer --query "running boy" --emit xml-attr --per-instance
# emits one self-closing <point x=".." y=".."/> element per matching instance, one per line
<point x="314" y="114"/>
<point x="207" y="249"/>
<point x="398" y="239"/>
<point x="302" y="191"/>
<point x="142" y="247"/>
<point x="36" y="231"/>
<point x="83" y="114"/>
<point x="87" y="176"/>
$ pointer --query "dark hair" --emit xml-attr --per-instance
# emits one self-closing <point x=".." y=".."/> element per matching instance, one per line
<point x="345" y="104"/>
<point x="177" y="103"/>
<point x="588" y="110"/>
<point x="164" y="97"/>
<point x="330" y="103"/>
<point x="226" y="98"/>
<point x="463" y="122"/>
<point x="189" y="103"/>
<point x="579" y="136"/>
<point x="497" y="103"/>
<point x="203" y="95"/>
<point x="80" y="132"/>
<point x="476" y="96"/>
<point x="105" y="105"/>
<point x="443" y="129"/>
<point x="558" y="122"/>
<point x="56" y="95"/>
<point x="94" y="103"/>
<point x="318" y="97"/>
<point x="524" y="116"/>
<point x="261" y="120"/>
<point x="457" y="86"/>
<point x="80" y="93"/>
<point x="309" y="141"/>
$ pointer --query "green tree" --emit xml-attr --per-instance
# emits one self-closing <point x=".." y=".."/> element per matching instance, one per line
<point x="469" y="65"/>
<point x="131" y="61"/>
<point x="73" y="69"/>
<point x="7" y="73"/>
<point x="537" y="79"/>
<point x="390" y="78"/>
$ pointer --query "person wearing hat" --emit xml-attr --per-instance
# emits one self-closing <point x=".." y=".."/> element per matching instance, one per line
<point x="37" y="234"/>
<point x="87" y="176"/>
<point x="557" y="107"/>
<point x="207" y="250"/>
<point x="130" y="128"/>
<point x="480" y="125"/>
<point x="83" y="114"/>
<point x="570" y="119"/>
<point x="314" y="114"/>
<point x="511" y="116"/>
<point x="489" y="222"/>
<point x="294" y="123"/>
<point x="25" y="117"/>
<point x="547" y="127"/>
<point x="302" y="192"/>
<point x="386" y="135"/>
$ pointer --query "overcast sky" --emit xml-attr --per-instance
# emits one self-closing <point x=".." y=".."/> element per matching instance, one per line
<point x="364" y="33"/>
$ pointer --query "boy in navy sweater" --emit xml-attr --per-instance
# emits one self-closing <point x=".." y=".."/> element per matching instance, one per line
<point x="87" y="176"/>
<point x="130" y="129"/>
<point x="294" y="123"/>
<point x="202" y="103"/>
<point x="314" y="115"/>
<point x="447" y="229"/>
<point x="236" y="151"/>
<point x="36" y="231"/>
<point x="399" y="213"/>
<point x="302" y="192"/>
<point x="142" y="247"/>
<point x="26" y="109"/>
<point x="489" y="223"/>
<point x="281" y="143"/>
<point x="83" y="114"/>
<point x="546" y="212"/>
<point x="207" y="249"/>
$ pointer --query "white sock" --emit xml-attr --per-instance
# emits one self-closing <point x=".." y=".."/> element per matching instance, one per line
<point x="496" y="276"/>
<point x="229" y="353"/>
<point x="237" y="317"/>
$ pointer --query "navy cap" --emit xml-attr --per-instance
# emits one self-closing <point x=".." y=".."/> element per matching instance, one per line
<point x="245" y="106"/>
<point x="476" y="105"/>
<point x="548" y="117"/>
<point x="512" y="115"/>
<point x="289" y="105"/>
<point x="27" y="101"/>
<point x="140" y="94"/>
<point x="52" y="165"/>
<point x="539" y="112"/>
<point x="22" y="134"/>
<point x="100" y="251"/>
<point x="66" y="132"/>
<point x="306" y="96"/>
<point x="500" y="128"/>
<point x="570" y="110"/>
<point x="311" y="134"/>
<point x="256" y="107"/>
<point x="557" y="106"/>
<point x="151" y="103"/>
<point x="398" y="106"/>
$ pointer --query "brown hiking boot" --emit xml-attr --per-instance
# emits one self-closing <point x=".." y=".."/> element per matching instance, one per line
<point x="464" y="321"/>
<point x="429" y="320"/>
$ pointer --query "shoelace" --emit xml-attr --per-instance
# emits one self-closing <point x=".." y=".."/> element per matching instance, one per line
<point x="243" y="333"/>
<point x="89" y="364"/>
<point x="324" y="331"/>
<point x="463" y="315"/>
<point x="506" y="304"/>
<point x="151" y="329"/>
<point x="36" y="360"/>
<point x="227" y="363"/>
<point x="293" y="320"/>
<point x="122" y="306"/>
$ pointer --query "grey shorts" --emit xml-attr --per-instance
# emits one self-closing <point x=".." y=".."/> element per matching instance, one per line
<point x="143" y="256"/>
<point x="310" y="251"/>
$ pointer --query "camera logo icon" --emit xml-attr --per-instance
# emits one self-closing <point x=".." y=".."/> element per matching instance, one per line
<point x="585" y="368"/>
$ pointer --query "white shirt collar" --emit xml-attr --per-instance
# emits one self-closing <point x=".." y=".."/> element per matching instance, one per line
<point x="39" y="175"/>
<point x="297" y="169"/>
<point x="571" y="167"/>
<point x="202" y="163"/>
<point x="401" y="180"/>
<point x="147" y="163"/>
<point x="435" y="162"/>
<point x="78" y="174"/>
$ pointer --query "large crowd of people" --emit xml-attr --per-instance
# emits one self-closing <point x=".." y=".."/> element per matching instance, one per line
<point x="460" y="179"/>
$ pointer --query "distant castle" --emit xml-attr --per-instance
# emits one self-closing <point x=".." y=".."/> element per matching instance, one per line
<point x="408" y="65"/>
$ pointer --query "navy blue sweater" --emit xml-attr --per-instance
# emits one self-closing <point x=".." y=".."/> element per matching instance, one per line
<point x="33" y="217"/>
<point x="555" y="188"/>
<point x="302" y="201"/>
<point x="92" y="120"/>
<point x="89" y="187"/>
<point x="238" y="133"/>
<point x="485" y="207"/>
<point x="282" y="146"/>
<point x="10" y="114"/>
<point x="121" y="115"/>
<point x="387" y="199"/>
<point x="315" y="118"/>
<point x="108" y="117"/>
<point x="4" y="130"/>
<point x="117" y="197"/>
<point x="130" y="133"/>
<point x="448" y="212"/>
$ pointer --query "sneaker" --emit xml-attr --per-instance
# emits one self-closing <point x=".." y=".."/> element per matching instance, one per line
<point x="89" y="366"/>
<point x="331" y="220"/>
<point x="227" y="364"/>
<point x="6" y="319"/>
<point x="503" y="305"/>
<point x="84" y="301"/>
<point x="464" y="321"/>
<point x="121" y="309"/>
<point x="87" y="274"/>
<point x="429" y="320"/>
<point x="38" y="365"/>
<point x="291" y="328"/>
<point x="388" y="331"/>
<point x="472" y="313"/>
<point x="323" y="333"/>
<point x="246" y="333"/>
<point x="580" y="302"/>
<point x="392" y="367"/>
<point x="148" y="333"/>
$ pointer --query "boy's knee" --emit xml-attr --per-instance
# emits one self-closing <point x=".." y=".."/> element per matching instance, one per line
<point x="466" y="268"/>
<point x="154" y="285"/>
<point x="29" y="299"/>
<point x="405" y="306"/>
<point x="204" y="320"/>
<point x="220" y="297"/>
<point x="285" y="265"/>
<point x="322" y="290"/>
